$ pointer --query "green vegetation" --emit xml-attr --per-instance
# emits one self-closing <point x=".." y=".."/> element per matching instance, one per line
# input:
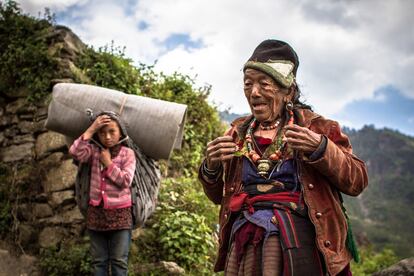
<point x="372" y="262"/>
<point x="108" y="67"/>
<point x="26" y="66"/>
<point x="70" y="259"/>
<point x="184" y="224"/>
<point x="383" y="211"/>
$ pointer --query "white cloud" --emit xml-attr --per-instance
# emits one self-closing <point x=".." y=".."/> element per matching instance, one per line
<point x="347" y="49"/>
<point x="36" y="6"/>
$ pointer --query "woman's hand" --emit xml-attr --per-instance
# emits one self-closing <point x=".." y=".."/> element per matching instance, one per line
<point x="301" y="139"/>
<point x="105" y="157"/>
<point x="99" y="122"/>
<point x="220" y="149"/>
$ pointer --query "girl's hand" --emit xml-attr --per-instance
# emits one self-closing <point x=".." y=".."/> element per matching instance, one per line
<point x="105" y="157"/>
<point x="96" y="125"/>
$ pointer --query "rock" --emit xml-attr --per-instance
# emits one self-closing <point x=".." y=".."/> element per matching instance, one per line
<point x="31" y="127"/>
<point x="78" y="74"/>
<point x="39" y="126"/>
<point x="24" y="211"/>
<point x="25" y="126"/>
<point x="67" y="42"/>
<point x="56" y="81"/>
<point x="25" y="173"/>
<point x="17" y="152"/>
<point x="404" y="267"/>
<point x="171" y="268"/>
<point x="41" y="114"/>
<point x="62" y="198"/>
<point x="51" y="236"/>
<point x="51" y="161"/>
<point x="2" y="139"/>
<point x="21" y="92"/>
<point x="21" y="139"/>
<point x="70" y="217"/>
<point x="77" y="230"/>
<point x="11" y="131"/>
<point x="136" y="233"/>
<point x="15" y="106"/>
<point x="5" y="120"/>
<point x="27" y="234"/>
<point x="61" y="178"/>
<point x="41" y="197"/>
<point x="166" y="268"/>
<point x="19" y="106"/>
<point x="42" y="210"/>
<point x="13" y="265"/>
<point x="49" y="141"/>
<point x="28" y="116"/>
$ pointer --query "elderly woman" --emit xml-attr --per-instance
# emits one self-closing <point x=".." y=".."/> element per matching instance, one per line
<point x="278" y="175"/>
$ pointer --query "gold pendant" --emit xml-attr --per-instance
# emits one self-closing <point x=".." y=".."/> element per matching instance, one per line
<point x="263" y="167"/>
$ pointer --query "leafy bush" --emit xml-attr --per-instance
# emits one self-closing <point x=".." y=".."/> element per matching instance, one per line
<point x="68" y="260"/>
<point x="25" y="62"/>
<point x="183" y="227"/>
<point x="185" y="238"/>
<point x="108" y="67"/>
<point x="373" y="261"/>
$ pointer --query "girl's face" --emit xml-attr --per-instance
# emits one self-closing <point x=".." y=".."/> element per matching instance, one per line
<point x="109" y="134"/>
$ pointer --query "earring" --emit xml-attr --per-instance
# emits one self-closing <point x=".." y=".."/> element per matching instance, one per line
<point x="289" y="108"/>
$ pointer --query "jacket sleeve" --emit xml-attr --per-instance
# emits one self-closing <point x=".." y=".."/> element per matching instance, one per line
<point x="344" y="170"/>
<point x="214" y="188"/>
<point x="81" y="150"/>
<point x="123" y="175"/>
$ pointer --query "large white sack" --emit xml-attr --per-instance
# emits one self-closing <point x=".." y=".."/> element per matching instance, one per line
<point x="156" y="126"/>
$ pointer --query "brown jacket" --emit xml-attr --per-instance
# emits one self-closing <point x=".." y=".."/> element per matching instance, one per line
<point x="337" y="169"/>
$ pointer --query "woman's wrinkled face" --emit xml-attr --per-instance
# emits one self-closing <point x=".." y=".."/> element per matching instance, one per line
<point x="265" y="97"/>
<point x="110" y="134"/>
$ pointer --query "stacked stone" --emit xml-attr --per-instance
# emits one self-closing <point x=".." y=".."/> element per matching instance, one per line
<point x="39" y="159"/>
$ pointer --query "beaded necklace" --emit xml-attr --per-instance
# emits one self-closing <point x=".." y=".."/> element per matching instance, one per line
<point x="273" y="155"/>
<point x="269" y="127"/>
<point x="266" y="160"/>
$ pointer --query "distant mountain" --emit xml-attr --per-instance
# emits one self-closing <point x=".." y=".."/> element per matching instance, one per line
<point x="383" y="214"/>
<point x="228" y="117"/>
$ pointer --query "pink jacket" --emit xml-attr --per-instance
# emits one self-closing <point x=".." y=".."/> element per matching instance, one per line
<point x="112" y="184"/>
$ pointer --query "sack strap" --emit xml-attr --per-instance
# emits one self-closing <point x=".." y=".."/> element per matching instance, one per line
<point x="121" y="108"/>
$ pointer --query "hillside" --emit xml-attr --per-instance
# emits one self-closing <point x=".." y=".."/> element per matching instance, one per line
<point x="383" y="213"/>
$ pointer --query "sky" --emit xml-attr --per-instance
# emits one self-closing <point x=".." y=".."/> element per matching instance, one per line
<point x="356" y="57"/>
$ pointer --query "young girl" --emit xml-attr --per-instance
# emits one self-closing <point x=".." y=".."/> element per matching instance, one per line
<point x="109" y="218"/>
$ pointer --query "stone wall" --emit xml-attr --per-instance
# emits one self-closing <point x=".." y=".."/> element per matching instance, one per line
<point x="41" y="174"/>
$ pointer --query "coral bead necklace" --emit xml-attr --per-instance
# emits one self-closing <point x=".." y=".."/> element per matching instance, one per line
<point x="273" y="153"/>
